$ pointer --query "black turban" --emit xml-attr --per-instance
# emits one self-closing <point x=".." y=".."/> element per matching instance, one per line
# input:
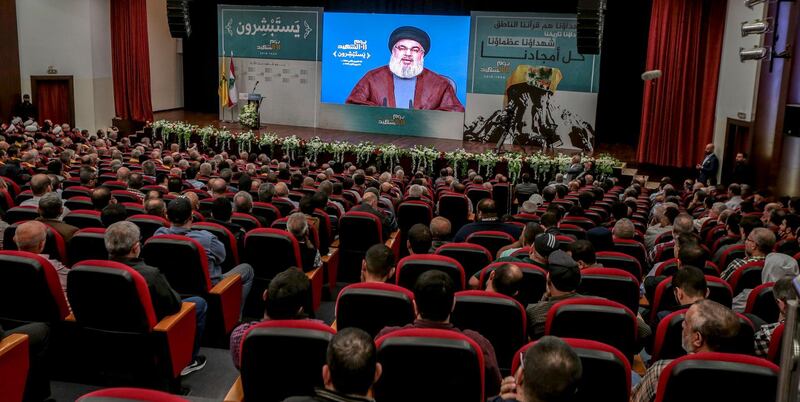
<point x="413" y="33"/>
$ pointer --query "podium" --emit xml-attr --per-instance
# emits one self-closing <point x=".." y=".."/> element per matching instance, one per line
<point x="254" y="98"/>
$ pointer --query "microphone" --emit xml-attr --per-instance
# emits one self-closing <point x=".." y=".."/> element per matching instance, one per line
<point x="410" y="103"/>
<point x="254" y="86"/>
<point x="384" y="102"/>
<point x="651" y="75"/>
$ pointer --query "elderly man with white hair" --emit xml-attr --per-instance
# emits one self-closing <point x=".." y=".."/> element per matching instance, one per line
<point x="297" y="225"/>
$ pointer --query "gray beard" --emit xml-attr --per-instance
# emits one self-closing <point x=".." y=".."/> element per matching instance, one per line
<point x="397" y="68"/>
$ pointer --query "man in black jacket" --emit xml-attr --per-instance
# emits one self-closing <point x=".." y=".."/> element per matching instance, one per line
<point x="350" y="370"/>
<point x="122" y="244"/>
<point x="370" y="204"/>
<point x="707" y="170"/>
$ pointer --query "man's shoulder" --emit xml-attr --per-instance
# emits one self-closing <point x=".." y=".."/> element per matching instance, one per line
<point x="430" y="75"/>
<point x="380" y="72"/>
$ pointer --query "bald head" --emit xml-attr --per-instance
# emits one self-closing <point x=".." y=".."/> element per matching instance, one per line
<point x="40" y="184"/>
<point x="31" y="236"/>
<point x="218" y="187"/>
<point x="371" y="199"/>
<point x="123" y="174"/>
<point x="440" y="228"/>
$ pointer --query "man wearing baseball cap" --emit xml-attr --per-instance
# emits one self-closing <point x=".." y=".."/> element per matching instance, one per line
<point x="563" y="278"/>
<point x="405" y="82"/>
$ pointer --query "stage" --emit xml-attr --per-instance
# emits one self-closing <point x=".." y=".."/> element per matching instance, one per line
<point x="624" y="153"/>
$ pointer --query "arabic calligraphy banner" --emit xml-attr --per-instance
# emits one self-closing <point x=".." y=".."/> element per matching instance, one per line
<point x="284" y="33"/>
<point x="527" y="84"/>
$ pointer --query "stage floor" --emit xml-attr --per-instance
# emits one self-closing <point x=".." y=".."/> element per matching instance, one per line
<point x="624" y="153"/>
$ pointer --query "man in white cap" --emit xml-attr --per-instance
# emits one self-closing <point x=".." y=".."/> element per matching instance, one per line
<point x="405" y="82"/>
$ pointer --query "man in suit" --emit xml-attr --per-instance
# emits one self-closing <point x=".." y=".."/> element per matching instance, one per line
<point x="709" y="167"/>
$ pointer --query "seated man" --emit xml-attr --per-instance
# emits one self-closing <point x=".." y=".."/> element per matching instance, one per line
<point x="776" y="266"/>
<point x="433" y="303"/>
<point x="378" y="265"/>
<point x="582" y="251"/>
<point x="369" y="203"/>
<point x="506" y="280"/>
<point x="221" y="212"/>
<point x="549" y="371"/>
<point x="243" y="202"/>
<point x="122" y="244"/>
<point x="297" y="224"/>
<point x="179" y="213"/>
<point x="285" y="299"/>
<point x="757" y="245"/>
<point x="486" y="219"/>
<point x="689" y="286"/>
<point x="783" y="290"/>
<point x="563" y="279"/>
<point x="419" y="239"/>
<point x="351" y="368"/>
<point x="51" y="210"/>
<point x="707" y="327"/>
<point x="101" y="198"/>
<point x="156" y="207"/>
<point x="31" y="237"/>
<point x="112" y="214"/>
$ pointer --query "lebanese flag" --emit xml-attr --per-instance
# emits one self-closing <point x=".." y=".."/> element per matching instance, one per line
<point x="233" y="95"/>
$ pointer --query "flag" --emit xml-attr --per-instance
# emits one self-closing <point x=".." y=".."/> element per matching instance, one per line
<point x="233" y="95"/>
<point x="223" y="84"/>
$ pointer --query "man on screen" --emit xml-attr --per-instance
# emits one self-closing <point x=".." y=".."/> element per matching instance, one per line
<point x="405" y="83"/>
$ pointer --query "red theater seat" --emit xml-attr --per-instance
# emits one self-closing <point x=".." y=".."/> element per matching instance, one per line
<point x="492" y="240"/>
<point x="130" y="394"/>
<point x="418" y="361"/>
<point x="534" y="281"/>
<point x="118" y="331"/>
<point x="88" y="244"/>
<point x="612" y="284"/>
<point x="411" y="267"/>
<point x="185" y="264"/>
<point x="596" y="319"/>
<point x="374" y="306"/>
<point x="472" y="257"/>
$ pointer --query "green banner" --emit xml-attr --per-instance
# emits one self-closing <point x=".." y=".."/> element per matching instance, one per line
<point x="285" y="33"/>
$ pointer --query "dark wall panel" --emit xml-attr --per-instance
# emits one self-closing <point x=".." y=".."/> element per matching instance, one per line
<point x="9" y="59"/>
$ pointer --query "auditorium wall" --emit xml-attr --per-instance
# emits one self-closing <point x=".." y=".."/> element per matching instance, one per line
<point x="738" y="82"/>
<point x="166" y="61"/>
<point x="75" y="38"/>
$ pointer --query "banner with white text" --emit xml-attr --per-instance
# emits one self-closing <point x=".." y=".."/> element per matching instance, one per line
<point x="527" y="84"/>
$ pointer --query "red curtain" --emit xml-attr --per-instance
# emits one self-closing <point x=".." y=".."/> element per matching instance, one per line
<point x="52" y="100"/>
<point x="678" y="109"/>
<point x="130" y="56"/>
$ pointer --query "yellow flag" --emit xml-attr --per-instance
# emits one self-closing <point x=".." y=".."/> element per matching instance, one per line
<point x="223" y="83"/>
<point x="542" y="77"/>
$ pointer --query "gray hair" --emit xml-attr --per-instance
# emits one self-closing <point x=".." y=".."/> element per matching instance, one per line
<point x="243" y="202"/>
<point x="297" y="225"/>
<point x="50" y="205"/>
<point x="121" y="237"/>
<point x="415" y="191"/>
<point x="624" y="229"/>
<point x="266" y="191"/>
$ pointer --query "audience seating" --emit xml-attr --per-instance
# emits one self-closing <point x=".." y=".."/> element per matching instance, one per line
<point x="14" y="364"/>
<point x="613" y="259"/>
<point x="776" y="344"/>
<point x="476" y="194"/>
<point x="374" y="306"/>
<point x="30" y="290"/>
<point x="748" y="276"/>
<point x="411" y="267"/>
<point x="227" y="238"/>
<point x="412" y="212"/>
<point x="76" y="191"/>
<point x="55" y="246"/>
<point x="83" y="219"/>
<point x="761" y="303"/>
<point x="283" y="358"/>
<point x="670" y="266"/>
<point x="441" y="364"/>
<point x="130" y="394"/>
<point x="664" y="296"/>
<point x="267" y="211"/>
<point x="247" y="221"/>
<point x="125" y="196"/>
<point x="532" y="287"/>
<point x="133" y="208"/>
<point x="358" y="231"/>
<point x="499" y="318"/>
<point x="454" y="207"/>
<point x="284" y="253"/>
<point x="78" y="202"/>
<point x="579" y="221"/>
<point x="606" y="371"/>
<point x="668" y="335"/>
<point x="148" y="224"/>
<point x="21" y="214"/>
<point x="719" y="377"/>
<point x="118" y="329"/>
<point x="492" y="240"/>
<point x="472" y="257"/>
<point x="185" y="264"/>
<point x="732" y="253"/>
<point x="23" y="196"/>
<point x="284" y="206"/>
<point x="572" y="230"/>
<point x="88" y="244"/>
<point x="632" y="248"/>
<point x="612" y="284"/>
<point x="596" y="319"/>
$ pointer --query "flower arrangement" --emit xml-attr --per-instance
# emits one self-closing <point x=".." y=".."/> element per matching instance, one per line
<point x="249" y="116"/>
<point x="541" y="165"/>
<point x="245" y="140"/>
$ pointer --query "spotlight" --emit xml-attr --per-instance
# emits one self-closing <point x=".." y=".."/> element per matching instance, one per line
<point x="757" y="27"/>
<point x="752" y="3"/>
<point x="756" y="53"/>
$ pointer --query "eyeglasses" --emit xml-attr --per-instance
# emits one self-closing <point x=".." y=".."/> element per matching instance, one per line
<point x="521" y="361"/>
<point x="403" y="49"/>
